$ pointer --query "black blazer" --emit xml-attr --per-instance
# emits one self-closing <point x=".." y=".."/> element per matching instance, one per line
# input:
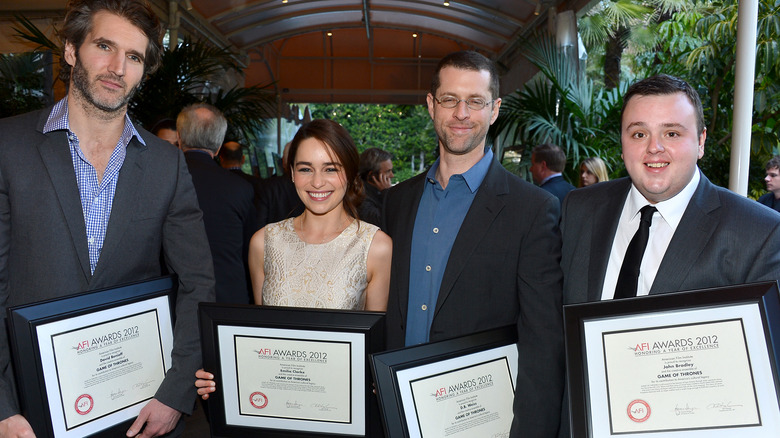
<point x="503" y="269"/>
<point x="43" y="242"/>
<point x="278" y="201"/>
<point x="558" y="187"/>
<point x="231" y="219"/>
<point x="723" y="239"/>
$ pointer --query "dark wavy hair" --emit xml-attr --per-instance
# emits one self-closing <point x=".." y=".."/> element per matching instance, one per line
<point x="78" y="23"/>
<point x="341" y="146"/>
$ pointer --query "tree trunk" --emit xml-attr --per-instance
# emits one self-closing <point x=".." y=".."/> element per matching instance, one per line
<point x="613" y="53"/>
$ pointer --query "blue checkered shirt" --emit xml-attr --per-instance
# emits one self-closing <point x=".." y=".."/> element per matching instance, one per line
<point x="96" y="197"/>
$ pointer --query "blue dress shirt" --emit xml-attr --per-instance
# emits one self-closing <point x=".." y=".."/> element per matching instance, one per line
<point x="97" y="197"/>
<point x="439" y="217"/>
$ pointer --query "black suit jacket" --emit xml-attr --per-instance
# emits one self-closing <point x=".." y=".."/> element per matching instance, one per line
<point x="231" y="219"/>
<point x="43" y="241"/>
<point x="278" y="201"/>
<point x="503" y="270"/>
<point x="723" y="239"/>
<point x="768" y="199"/>
<point x="256" y="182"/>
<point x="558" y="187"/>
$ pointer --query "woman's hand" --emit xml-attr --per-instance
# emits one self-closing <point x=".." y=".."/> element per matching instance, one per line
<point x="205" y="383"/>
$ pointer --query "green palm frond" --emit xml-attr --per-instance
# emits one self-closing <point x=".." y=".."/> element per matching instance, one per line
<point x="30" y="32"/>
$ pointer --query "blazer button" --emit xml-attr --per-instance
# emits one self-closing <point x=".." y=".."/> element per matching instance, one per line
<point x="424" y="307"/>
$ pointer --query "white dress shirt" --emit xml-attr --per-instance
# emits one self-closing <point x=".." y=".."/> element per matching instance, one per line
<point x="665" y="222"/>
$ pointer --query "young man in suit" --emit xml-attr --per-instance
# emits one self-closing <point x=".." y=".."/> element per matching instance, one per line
<point x="772" y="180"/>
<point x="547" y="163"/>
<point x="700" y="235"/>
<point x="225" y="198"/>
<point x="88" y="200"/>
<point x="475" y="247"/>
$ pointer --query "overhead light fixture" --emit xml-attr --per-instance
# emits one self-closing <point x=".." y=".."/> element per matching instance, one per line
<point x="414" y="35"/>
<point x="538" y="9"/>
<point x="284" y="1"/>
<point x="187" y="5"/>
<point x="330" y="34"/>
<point x="446" y="3"/>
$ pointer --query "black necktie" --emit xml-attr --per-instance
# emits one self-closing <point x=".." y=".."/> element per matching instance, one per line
<point x="629" y="272"/>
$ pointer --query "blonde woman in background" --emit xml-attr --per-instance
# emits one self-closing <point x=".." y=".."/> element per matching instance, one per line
<point x="592" y="170"/>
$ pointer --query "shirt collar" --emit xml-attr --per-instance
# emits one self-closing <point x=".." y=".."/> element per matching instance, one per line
<point x="473" y="177"/>
<point x="58" y="120"/>
<point x="550" y="177"/>
<point x="672" y="209"/>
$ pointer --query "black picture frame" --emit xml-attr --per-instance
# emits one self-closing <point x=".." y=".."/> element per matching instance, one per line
<point x="763" y="295"/>
<point x="387" y="365"/>
<point x="366" y="327"/>
<point x="24" y="321"/>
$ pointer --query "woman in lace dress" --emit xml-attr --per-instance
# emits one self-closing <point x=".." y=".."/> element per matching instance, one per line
<point x="326" y="257"/>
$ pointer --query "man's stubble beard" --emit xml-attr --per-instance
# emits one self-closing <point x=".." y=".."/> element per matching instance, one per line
<point x="81" y="84"/>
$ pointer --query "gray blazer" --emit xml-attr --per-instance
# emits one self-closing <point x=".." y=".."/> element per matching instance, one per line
<point x="43" y="244"/>
<point x="503" y="270"/>
<point x="723" y="239"/>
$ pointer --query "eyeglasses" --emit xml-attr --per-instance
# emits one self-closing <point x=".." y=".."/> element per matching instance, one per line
<point x="474" y="103"/>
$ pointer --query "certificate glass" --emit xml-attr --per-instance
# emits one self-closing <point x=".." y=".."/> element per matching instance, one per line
<point x="457" y="388"/>
<point x="95" y="367"/>
<point x="287" y="381"/>
<point x="693" y="364"/>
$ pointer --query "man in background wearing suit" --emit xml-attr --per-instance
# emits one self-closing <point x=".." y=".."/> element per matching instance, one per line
<point x="231" y="157"/>
<point x="225" y="198"/>
<point x="772" y="180"/>
<point x="475" y="247"/>
<point x="547" y="163"/>
<point x="279" y="199"/>
<point x="88" y="200"/>
<point x="700" y="235"/>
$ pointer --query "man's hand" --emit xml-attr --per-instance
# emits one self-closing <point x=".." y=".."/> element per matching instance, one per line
<point x="16" y="426"/>
<point x="159" y="419"/>
<point x="380" y="180"/>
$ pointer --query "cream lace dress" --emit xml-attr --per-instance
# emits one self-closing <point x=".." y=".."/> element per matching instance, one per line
<point x="331" y="275"/>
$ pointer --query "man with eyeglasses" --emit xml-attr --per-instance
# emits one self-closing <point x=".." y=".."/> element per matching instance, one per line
<point x="475" y="247"/>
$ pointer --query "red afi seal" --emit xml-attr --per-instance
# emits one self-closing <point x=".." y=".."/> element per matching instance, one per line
<point x="258" y="400"/>
<point x="84" y="404"/>
<point x="638" y="410"/>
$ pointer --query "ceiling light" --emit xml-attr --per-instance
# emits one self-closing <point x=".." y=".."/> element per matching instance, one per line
<point x="330" y="34"/>
<point x="414" y="35"/>
<point x="284" y="1"/>
<point x="538" y="9"/>
<point x="446" y="3"/>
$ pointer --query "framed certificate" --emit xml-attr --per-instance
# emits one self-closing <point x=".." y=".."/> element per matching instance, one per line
<point x="290" y="372"/>
<point x="86" y="364"/>
<point x="690" y="364"/>
<point x="458" y="388"/>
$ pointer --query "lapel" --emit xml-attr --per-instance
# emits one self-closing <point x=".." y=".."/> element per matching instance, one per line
<point x="126" y="202"/>
<point x="55" y="154"/>
<point x="409" y="195"/>
<point x="693" y="233"/>
<point x="603" y="228"/>
<point x="484" y="209"/>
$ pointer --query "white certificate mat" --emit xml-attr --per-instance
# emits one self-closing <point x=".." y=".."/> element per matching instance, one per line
<point x="473" y="399"/>
<point x="293" y="379"/>
<point x="98" y="374"/>
<point x="685" y="373"/>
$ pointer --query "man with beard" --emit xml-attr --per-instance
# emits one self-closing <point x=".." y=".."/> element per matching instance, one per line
<point x="475" y="247"/>
<point x="89" y="201"/>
